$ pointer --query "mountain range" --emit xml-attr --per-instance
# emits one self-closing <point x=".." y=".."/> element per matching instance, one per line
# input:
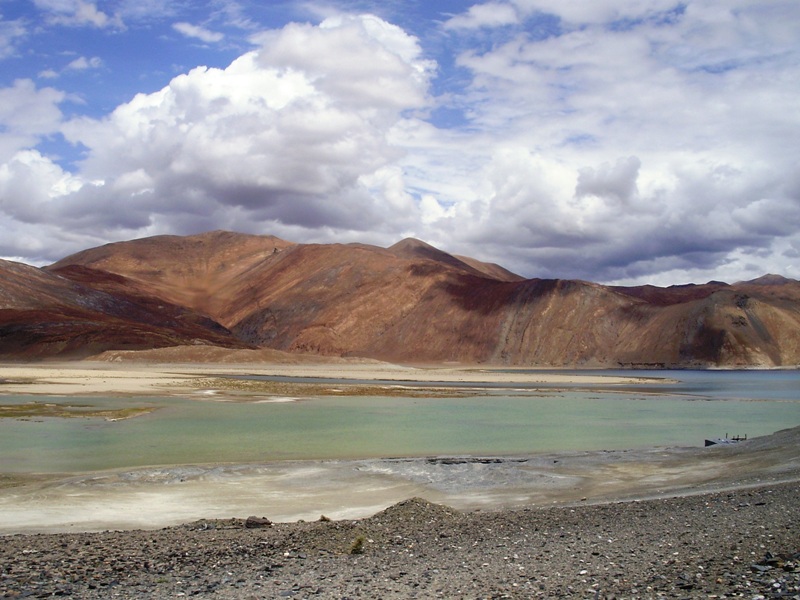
<point x="409" y="303"/>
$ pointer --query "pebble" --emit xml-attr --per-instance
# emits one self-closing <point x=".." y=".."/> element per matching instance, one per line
<point x="734" y="544"/>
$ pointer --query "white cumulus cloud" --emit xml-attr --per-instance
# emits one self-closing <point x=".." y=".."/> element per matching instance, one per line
<point x="286" y="136"/>
<point x="82" y="63"/>
<point x="76" y="13"/>
<point x="618" y="141"/>
<point x="200" y="33"/>
<point x="493" y="14"/>
<point x="27" y="113"/>
<point x="11" y="32"/>
<point x="698" y="97"/>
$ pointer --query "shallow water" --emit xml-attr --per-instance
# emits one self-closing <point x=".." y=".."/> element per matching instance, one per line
<point x="501" y="422"/>
<point x="778" y="385"/>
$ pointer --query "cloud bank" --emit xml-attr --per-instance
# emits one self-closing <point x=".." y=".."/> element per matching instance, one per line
<point x="617" y="141"/>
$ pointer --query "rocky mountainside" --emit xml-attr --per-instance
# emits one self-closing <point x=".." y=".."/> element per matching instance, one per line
<point x="407" y="303"/>
<point x="82" y="312"/>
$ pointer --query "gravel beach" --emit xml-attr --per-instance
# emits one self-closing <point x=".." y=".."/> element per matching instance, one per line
<point x="742" y="543"/>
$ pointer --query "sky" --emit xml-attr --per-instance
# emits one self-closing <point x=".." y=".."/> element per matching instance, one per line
<point x="618" y="141"/>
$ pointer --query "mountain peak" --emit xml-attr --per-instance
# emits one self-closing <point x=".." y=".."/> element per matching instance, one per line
<point x="770" y="279"/>
<point x="411" y="244"/>
<point x="414" y="248"/>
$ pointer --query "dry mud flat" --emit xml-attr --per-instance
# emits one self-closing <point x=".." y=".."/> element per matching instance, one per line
<point x="742" y="543"/>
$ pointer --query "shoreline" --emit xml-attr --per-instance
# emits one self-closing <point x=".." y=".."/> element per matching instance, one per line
<point x="350" y="488"/>
<point x="290" y="491"/>
<point x="134" y="378"/>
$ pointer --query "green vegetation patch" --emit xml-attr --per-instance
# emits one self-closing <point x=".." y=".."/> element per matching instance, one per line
<point x="31" y="410"/>
<point x="12" y="480"/>
<point x="305" y="390"/>
<point x="17" y="381"/>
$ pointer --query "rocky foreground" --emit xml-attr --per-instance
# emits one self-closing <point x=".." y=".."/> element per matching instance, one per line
<point x="731" y="544"/>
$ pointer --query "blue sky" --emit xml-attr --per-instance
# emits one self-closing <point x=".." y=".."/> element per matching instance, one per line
<point x="617" y="141"/>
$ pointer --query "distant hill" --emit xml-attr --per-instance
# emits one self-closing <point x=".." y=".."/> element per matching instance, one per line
<point x="408" y="303"/>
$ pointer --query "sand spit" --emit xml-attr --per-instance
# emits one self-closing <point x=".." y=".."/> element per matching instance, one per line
<point x="134" y="378"/>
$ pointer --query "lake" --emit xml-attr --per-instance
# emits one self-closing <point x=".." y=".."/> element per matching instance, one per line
<point x="498" y="421"/>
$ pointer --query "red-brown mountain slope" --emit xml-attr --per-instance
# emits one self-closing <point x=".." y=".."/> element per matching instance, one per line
<point x="44" y="314"/>
<point x="414" y="303"/>
<point x="193" y="271"/>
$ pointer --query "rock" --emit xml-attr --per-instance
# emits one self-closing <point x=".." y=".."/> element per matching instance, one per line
<point x="257" y="523"/>
<point x="658" y="547"/>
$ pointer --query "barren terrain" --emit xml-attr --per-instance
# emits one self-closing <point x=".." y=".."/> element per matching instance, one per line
<point x="409" y="303"/>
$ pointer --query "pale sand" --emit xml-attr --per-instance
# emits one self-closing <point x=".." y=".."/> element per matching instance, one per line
<point x="90" y="378"/>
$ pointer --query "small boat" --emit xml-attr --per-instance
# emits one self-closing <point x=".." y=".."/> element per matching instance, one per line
<point x="726" y="440"/>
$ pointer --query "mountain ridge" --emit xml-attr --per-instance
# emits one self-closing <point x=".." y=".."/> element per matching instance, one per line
<point x="411" y="303"/>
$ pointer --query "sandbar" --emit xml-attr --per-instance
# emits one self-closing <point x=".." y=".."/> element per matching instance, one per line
<point x="133" y="378"/>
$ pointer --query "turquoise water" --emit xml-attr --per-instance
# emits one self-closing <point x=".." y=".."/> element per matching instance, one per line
<point x="185" y="431"/>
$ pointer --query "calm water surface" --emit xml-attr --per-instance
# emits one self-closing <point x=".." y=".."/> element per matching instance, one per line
<point x="184" y="431"/>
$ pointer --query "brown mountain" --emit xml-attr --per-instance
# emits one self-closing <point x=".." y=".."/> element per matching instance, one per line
<point x="52" y="314"/>
<point x="414" y="303"/>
